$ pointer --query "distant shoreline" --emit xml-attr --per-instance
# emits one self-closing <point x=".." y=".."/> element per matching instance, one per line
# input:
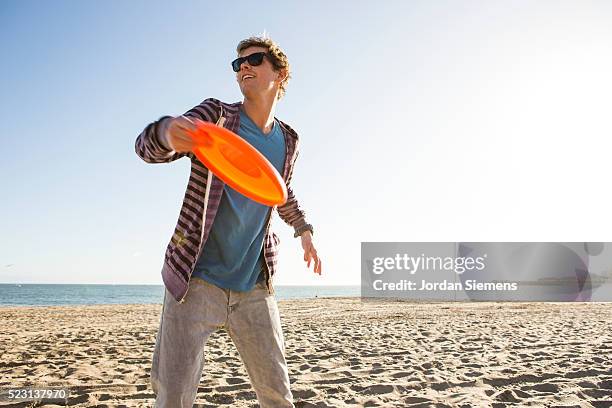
<point x="104" y="294"/>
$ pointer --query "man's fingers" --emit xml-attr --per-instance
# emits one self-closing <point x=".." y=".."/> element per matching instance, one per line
<point x="308" y="257"/>
<point x="186" y="123"/>
<point x="317" y="261"/>
<point x="311" y="256"/>
<point x="188" y="128"/>
<point x="180" y="139"/>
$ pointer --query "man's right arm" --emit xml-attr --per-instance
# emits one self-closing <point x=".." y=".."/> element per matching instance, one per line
<point x="153" y="146"/>
<point x="168" y="139"/>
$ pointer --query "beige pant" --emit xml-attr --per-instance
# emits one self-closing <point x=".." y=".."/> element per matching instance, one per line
<point x="252" y="321"/>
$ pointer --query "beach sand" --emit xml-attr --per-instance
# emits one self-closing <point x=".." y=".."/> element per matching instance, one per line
<point x="341" y="352"/>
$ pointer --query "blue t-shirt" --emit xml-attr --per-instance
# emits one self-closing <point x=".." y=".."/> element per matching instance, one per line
<point x="231" y="257"/>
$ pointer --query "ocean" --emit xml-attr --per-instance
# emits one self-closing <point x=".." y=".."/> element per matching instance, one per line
<point x="60" y="295"/>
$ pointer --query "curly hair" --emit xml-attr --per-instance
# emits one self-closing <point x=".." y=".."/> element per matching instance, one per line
<point x="277" y="57"/>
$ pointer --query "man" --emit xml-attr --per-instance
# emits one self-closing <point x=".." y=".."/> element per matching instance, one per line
<point x="220" y="261"/>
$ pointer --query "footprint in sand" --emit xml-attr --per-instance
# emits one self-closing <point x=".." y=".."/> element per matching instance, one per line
<point x="544" y="387"/>
<point x="335" y="381"/>
<point x="219" y="399"/>
<point x="235" y="380"/>
<point x="303" y="394"/>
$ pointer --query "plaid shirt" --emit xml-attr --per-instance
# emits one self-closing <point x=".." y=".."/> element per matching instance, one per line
<point x="189" y="238"/>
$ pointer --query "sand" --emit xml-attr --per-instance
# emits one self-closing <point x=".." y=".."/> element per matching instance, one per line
<point x="341" y="352"/>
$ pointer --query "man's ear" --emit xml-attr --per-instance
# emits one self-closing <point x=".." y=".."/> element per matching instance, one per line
<point x="283" y="74"/>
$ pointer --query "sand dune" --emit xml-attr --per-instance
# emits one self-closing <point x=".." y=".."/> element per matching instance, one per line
<point x="341" y="352"/>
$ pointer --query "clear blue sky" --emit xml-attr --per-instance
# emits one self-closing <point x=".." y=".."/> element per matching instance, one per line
<point x="419" y="121"/>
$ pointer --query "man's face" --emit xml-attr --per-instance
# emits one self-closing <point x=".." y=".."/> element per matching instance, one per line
<point x="260" y="79"/>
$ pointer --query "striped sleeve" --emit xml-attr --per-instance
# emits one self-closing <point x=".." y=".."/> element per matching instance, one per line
<point x="151" y="145"/>
<point x="291" y="212"/>
<point x="207" y="111"/>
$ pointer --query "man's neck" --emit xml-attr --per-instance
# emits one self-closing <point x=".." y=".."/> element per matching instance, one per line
<point x="261" y="112"/>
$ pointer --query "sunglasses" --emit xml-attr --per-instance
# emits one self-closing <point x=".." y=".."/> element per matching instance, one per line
<point x="254" y="60"/>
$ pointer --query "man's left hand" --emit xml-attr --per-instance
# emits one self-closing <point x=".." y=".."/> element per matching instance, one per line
<point x="310" y="252"/>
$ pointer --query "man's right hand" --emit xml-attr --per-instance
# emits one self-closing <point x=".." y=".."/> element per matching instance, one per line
<point x="177" y="134"/>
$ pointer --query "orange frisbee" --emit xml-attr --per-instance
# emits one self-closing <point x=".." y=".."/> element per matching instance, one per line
<point x="237" y="163"/>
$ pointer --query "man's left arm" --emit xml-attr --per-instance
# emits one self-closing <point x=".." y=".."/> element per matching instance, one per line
<point x="293" y="215"/>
